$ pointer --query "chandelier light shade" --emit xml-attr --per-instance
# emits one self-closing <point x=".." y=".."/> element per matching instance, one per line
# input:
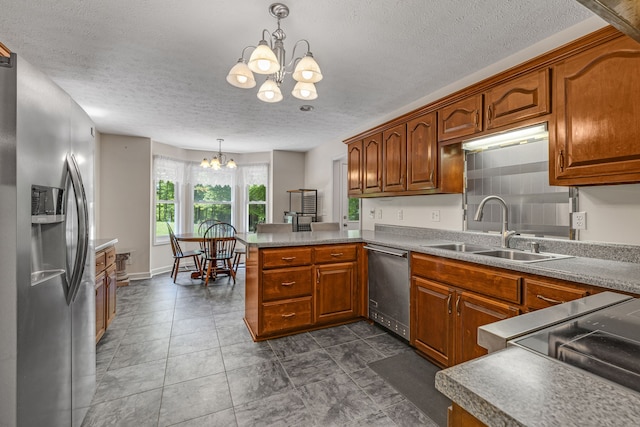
<point x="268" y="58"/>
<point x="241" y="76"/>
<point x="269" y="92"/>
<point x="220" y="160"/>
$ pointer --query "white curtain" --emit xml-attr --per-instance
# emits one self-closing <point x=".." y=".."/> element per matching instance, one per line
<point x="167" y="169"/>
<point x="205" y="176"/>
<point x="253" y="175"/>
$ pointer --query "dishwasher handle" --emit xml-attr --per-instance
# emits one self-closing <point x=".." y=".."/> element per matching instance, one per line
<point x="401" y="254"/>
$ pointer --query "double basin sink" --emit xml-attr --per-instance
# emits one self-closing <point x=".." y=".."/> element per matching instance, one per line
<point x="502" y="253"/>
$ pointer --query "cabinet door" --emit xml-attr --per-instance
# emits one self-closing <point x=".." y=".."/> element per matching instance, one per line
<point x="519" y="99"/>
<point x="110" y="292"/>
<point x="101" y="306"/>
<point x="422" y="153"/>
<point x="597" y="104"/>
<point x="431" y="319"/>
<point x="335" y="296"/>
<point x="372" y="162"/>
<point x="354" y="166"/>
<point x="473" y="311"/>
<point x="394" y="155"/>
<point x="462" y="118"/>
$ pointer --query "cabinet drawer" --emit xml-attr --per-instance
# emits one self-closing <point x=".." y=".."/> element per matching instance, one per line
<point x="110" y="255"/>
<point x="487" y="281"/>
<point x="542" y="295"/>
<point x="101" y="261"/>
<point x="286" y="283"/>
<point x="288" y="315"/>
<point x="288" y="257"/>
<point x="338" y="253"/>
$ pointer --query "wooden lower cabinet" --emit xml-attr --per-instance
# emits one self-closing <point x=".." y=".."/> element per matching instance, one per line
<point x="458" y="417"/>
<point x="105" y="287"/>
<point x="473" y="311"/>
<point x="335" y="296"/>
<point x="293" y="289"/>
<point x="450" y="299"/>
<point x="101" y="300"/>
<point x="446" y="319"/>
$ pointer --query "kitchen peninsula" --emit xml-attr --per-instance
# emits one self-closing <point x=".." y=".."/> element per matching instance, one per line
<point x="514" y="386"/>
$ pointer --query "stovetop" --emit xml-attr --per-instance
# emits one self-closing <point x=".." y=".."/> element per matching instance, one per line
<point x="605" y="343"/>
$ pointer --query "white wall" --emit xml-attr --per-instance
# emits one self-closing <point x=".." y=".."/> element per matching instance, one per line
<point x="287" y="173"/>
<point x="318" y="168"/>
<point x="125" y="197"/>
<point x="613" y="213"/>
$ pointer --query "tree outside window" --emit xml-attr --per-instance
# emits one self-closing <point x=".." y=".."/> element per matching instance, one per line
<point x="354" y="209"/>
<point x="211" y="202"/>
<point x="165" y="208"/>
<point x="256" y="205"/>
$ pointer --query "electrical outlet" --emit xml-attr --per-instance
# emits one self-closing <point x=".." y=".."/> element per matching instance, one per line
<point x="372" y="214"/>
<point x="400" y="214"/>
<point x="435" y="216"/>
<point x="380" y="213"/>
<point x="579" y="220"/>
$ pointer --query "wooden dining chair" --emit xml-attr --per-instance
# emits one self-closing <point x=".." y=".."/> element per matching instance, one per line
<point x="220" y="239"/>
<point x="179" y="254"/>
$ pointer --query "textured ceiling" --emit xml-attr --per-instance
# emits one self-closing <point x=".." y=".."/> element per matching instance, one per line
<point x="156" y="68"/>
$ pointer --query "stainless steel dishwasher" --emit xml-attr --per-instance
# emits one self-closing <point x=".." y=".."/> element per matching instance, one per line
<point x="389" y="288"/>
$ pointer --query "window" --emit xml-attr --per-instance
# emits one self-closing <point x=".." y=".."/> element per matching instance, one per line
<point x="354" y="209"/>
<point x="165" y="208"/>
<point x="211" y="202"/>
<point x="168" y="175"/>
<point x="256" y="205"/>
<point x="253" y="180"/>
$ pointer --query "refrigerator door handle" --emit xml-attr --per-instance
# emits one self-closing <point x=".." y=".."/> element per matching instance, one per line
<point x="83" y="227"/>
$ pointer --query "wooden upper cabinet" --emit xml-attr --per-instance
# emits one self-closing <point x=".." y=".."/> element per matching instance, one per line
<point x="597" y="107"/>
<point x="394" y="154"/>
<point x="518" y="99"/>
<point x="372" y="162"/>
<point x="354" y="166"/>
<point x="422" y="153"/>
<point x="462" y="118"/>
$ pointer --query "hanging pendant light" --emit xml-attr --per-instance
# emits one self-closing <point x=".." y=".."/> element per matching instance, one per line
<point x="269" y="58"/>
<point x="218" y="161"/>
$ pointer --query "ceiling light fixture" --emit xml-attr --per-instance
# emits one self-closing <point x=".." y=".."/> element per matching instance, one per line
<point x="219" y="161"/>
<point x="269" y="58"/>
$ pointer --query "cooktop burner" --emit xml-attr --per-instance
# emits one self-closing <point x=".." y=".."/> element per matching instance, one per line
<point x="605" y="343"/>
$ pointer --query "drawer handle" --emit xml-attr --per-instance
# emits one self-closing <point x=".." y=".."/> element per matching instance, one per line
<point x="338" y="254"/>
<point x="288" y="316"/>
<point x="449" y="303"/>
<point x="288" y="258"/>
<point x="550" y="300"/>
<point x="288" y="283"/>
<point x="458" y="305"/>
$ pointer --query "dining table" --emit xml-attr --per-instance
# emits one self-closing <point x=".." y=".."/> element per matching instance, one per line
<point x="201" y="239"/>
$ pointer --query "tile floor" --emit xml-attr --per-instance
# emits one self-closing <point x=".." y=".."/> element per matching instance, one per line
<point x="180" y="355"/>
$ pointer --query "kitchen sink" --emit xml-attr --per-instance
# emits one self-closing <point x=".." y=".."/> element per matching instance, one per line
<point x="460" y="247"/>
<point x="521" y="256"/>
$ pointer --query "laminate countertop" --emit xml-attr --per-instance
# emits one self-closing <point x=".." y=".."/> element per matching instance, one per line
<point x="611" y="266"/>
<point x="516" y="387"/>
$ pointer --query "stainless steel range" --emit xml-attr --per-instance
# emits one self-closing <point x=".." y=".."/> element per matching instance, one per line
<point x="599" y="334"/>
<point x="605" y="343"/>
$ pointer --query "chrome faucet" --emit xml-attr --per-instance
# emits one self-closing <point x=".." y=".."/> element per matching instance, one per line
<point x="506" y="234"/>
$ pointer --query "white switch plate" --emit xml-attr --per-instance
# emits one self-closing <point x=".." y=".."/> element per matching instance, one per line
<point x="380" y="213"/>
<point x="400" y="214"/>
<point x="435" y="216"/>
<point x="579" y="220"/>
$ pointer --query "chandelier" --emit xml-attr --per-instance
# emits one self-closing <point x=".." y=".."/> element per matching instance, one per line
<point x="219" y="161"/>
<point x="269" y="58"/>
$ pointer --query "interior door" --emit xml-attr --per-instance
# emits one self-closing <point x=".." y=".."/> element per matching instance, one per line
<point x="349" y="206"/>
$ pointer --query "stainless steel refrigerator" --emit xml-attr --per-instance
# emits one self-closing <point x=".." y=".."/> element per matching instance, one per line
<point x="47" y="261"/>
